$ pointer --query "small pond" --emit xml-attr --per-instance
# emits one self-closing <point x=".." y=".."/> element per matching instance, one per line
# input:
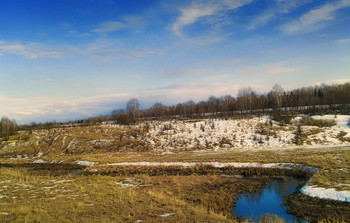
<point x="268" y="200"/>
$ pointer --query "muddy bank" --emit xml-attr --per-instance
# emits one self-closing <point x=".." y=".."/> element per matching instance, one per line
<point x="197" y="170"/>
<point x="315" y="209"/>
<point x="215" y="193"/>
<point x="50" y="169"/>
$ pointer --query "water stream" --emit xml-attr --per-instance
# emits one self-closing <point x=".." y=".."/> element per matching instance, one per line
<point x="268" y="200"/>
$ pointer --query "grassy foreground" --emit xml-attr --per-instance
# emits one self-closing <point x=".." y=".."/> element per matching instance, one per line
<point x="32" y="195"/>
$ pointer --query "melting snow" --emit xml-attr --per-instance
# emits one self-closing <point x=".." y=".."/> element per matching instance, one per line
<point x="325" y="193"/>
<point x="40" y="161"/>
<point x="214" y="164"/>
<point x="217" y="134"/>
<point x="85" y="163"/>
<point x="342" y="121"/>
<point x="131" y="183"/>
<point x="166" y="214"/>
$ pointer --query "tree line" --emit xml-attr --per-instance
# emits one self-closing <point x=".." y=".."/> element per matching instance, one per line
<point x="330" y="96"/>
<point x="313" y="99"/>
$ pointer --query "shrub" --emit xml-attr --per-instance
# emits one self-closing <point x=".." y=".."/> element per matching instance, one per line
<point x="202" y="128"/>
<point x="341" y="136"/>
<point x="265" y="129"/>
<point x="298" y="138"/>
<point x="282" y="118"/>
<point x="167" y="127"/>
<point x="307" y="120"/>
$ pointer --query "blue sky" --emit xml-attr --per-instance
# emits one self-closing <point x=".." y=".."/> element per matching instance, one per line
<point x="70" y="59"/>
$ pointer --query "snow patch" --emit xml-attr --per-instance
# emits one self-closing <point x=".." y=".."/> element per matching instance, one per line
<point x="324" y="193"/>
<point x="40" y="161"/>
<point x="233" y="176"/>
<point x="84" y="163"/>
<point x="214" y="164"/>
<point x="131" y="183"/>
<point x="247" y="134"/>
<point x="166" y="215"/>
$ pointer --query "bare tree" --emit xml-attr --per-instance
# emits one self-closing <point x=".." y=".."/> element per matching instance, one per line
<point x="277" y="91"/>
<point x="8" y="127"/>
<point x="132" y="106"/>
<point x="132" y="109"/>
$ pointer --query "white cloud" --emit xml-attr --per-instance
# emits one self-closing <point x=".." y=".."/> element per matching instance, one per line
<point x="262" y="20"/>
<point x="286" y="6"/>
<point x="315" y="19"/>
<point x="111" y="53"/>
<point x="176" y="72"/>
<point x="109" y="27"/>
<point x="199" y="9"/>
<point x="270" y="70"/>
<point x="30" y="51"/>
<point x="335" y="81"/>
<point x="281" y="7"/>
<point x="343" y="40"/>
<point x="76" y="33"/>
<point x="41" y="109"/>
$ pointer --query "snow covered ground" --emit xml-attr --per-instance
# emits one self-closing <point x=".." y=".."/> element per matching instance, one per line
<point x="324" y="193"/>
<point x="342" y="121"/>
<point x="85" y="163"/>
<point x="214" y="164"/>
<point x="258" y="133"/>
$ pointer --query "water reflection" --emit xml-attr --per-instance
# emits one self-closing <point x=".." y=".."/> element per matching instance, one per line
<point x="268" y="200"/>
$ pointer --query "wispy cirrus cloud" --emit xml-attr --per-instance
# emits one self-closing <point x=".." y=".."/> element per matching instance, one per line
<point x="335" y="81"/>
<point x="109" y="26"/>
<point x="316" y="18"/>
<point x="108" y="49"/>
<point x="270" y="70"/>
<point x="341" y="41"/>
<point x="42" y="109"/>
<point x="110" y="53"/>
<point x="125" y="22"/>
<point x="278" y="8"/>
<point x="30" y="51"/>
<point x="199" y="9"/>
<point x="178" y="72"/>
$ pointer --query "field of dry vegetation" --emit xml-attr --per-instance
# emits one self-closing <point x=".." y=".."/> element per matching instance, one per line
<point x="41" y="181"/>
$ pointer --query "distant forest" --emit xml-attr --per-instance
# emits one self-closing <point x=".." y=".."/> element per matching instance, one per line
<point x="277" y="102"/>
<point x="313" y="99"/>
<point x="249" y="100"/>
